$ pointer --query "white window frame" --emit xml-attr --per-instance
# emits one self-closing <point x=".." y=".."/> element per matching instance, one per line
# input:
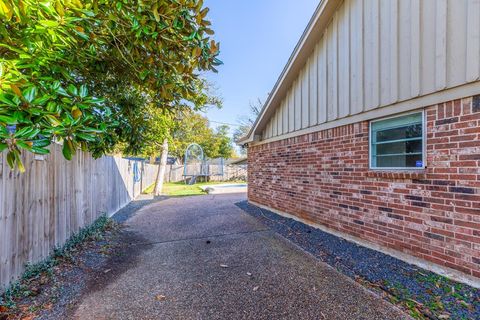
<point x="424" y="143"/>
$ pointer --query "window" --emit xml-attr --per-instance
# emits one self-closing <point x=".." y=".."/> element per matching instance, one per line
<point x="397" y="143"/>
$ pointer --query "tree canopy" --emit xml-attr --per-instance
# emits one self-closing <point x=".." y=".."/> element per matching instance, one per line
<point x="194" y="128"/>
<point x="87" y="72"/>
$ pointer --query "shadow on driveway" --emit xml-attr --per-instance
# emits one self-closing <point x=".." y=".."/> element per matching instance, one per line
<point x="204" y="258"/>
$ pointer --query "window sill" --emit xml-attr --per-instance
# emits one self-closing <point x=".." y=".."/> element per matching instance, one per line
<point x="417" y="174"/>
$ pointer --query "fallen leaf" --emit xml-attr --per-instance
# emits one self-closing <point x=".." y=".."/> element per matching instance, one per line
<point x="3" y="309"/>
<point x="223" y="266"/>
<point x="160" y="297"/>
<point x="255" y="288"/>
<point x="30" y="317"/>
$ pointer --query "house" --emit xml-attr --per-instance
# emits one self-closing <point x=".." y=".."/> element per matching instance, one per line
<point x="237" y="162"/>
<point x="372" y="131"/>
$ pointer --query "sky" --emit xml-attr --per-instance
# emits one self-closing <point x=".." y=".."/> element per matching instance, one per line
<point x="256" y="39"/>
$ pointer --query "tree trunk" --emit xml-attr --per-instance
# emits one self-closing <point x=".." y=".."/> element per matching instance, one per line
<point x="161" y="169"/>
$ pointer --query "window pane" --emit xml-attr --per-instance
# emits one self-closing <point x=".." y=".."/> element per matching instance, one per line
<point x="404" y="132"/>
<point x="405" y="161"/>
<point x="397" y="142"/>
<point x="397" y="122"/>
<point x="412" y="146"/>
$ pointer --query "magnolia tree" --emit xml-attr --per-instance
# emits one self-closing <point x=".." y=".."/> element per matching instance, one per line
<point x="85" y="73"/>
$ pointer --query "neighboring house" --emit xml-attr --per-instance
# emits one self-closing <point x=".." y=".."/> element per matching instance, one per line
<point x="372" y="131"/>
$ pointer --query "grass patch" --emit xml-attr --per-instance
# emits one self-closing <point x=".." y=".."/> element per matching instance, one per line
<point x="149" y="189"/>
<point x="180" y="189"/>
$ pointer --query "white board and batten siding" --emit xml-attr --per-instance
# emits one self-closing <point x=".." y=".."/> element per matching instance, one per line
<point x="41" y="208"/>
<point x="377" y="53"/>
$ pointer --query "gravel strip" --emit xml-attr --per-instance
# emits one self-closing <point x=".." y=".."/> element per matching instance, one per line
<point x="425" y="294"/>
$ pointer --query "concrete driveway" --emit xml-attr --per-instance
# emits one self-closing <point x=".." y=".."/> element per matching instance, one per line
<point x="204" y="258"/>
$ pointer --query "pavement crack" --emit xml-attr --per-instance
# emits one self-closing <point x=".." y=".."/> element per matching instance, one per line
<point x="200" y="238"/>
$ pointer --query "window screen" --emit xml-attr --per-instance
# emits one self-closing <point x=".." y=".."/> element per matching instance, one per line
<point x="397" y="143"/>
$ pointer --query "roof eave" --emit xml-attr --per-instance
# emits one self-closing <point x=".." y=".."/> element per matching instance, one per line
<point x="299" y="56"/>
<point x="246" y="139"/>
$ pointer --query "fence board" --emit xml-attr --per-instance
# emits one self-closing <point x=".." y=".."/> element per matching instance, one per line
<point x="174" y="173"/>
<point x="54" y="198"/>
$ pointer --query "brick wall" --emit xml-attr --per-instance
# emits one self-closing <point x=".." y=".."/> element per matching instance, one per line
<point x="434" y="214"/>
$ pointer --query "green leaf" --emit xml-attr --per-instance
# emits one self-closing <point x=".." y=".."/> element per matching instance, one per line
<point x="39" y="150"/>
<point x="91" y="130"/>
<point x="82" y="35"/>
<point x="59" y="8"/>
<point x="35" y="111"/>
<point x="19" y="117"/>
<point x="24" y="145"/>
<point x="40" y="143"/>
<point x="48" y="23"/>
<point x="33" y="134"/>
<point x="155" y="13"/>
<point x="18" y="161"/>
<point x="27" y="133"/>
<point x="7" y="101"/>
<point x="66" y="151"/>
<point x="11" y="160"/>
<point x="72" y="90"/>
<point x="53" y="121"/>
<point x="3" y="146"/>
<point x="30" y="93"/>
<point x="56" y="85"/>
<point x="7" y="119"/>
<point x="143" y="74"/>
<point x="96" y="101"/>
<point x="24" y="132"/>
<point x="41" y="101"/>
<point x="52" y="106"/>
<point x="85" y="136"/>
<point x="3" y="131"/>
<point x="83" y="91"/>
<point x="62" y="92"/>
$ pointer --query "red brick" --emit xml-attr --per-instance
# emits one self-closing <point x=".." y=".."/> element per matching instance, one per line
<point x="432" y="214"/>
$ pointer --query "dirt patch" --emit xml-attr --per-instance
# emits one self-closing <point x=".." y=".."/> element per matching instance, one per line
<point x="123" y="257"/>
<point x="90" y="266"/>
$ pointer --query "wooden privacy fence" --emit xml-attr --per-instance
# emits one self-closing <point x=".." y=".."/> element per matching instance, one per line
<point x="174" y="173"/>
<point x="41" y="208"/>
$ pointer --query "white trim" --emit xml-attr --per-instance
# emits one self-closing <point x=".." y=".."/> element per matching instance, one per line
<point x="427" y="265"/>
<point x="322" y="15"/>
<point x="463" y="91"/>
<point x="424" y="142"/>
